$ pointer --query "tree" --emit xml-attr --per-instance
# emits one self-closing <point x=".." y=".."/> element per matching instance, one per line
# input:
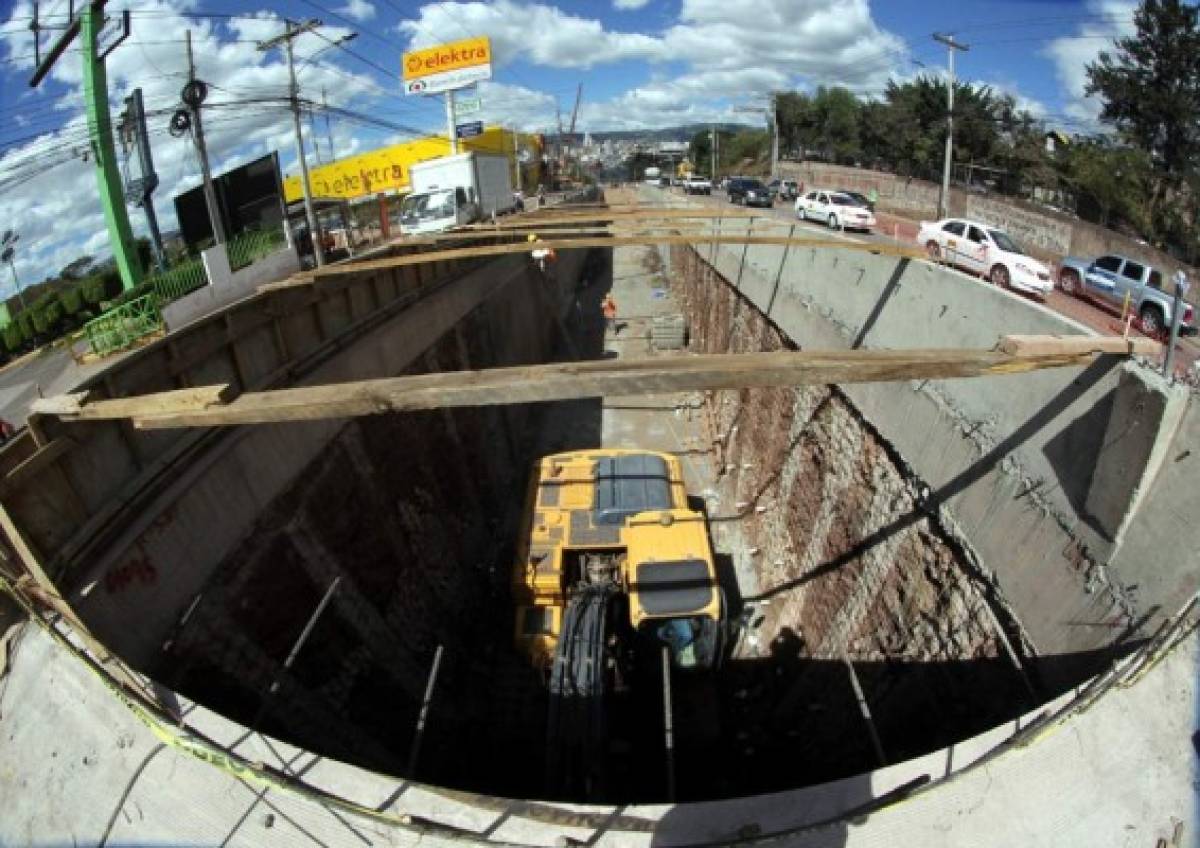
<point x="13" y="338"/>
<point x="1150" y="86"/>
<point x="77" y="268"/>
<point x="1110" y="178"/>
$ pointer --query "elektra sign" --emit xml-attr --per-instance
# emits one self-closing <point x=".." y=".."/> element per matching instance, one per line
<point x="447" y="66"/>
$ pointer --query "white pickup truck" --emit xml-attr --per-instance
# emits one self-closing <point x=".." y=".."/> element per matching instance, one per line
<point x="696" y="184"/>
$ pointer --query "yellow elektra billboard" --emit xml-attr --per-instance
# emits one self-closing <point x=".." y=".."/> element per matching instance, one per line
<point x="445" y="67"/>
<point x="386" y="168"/>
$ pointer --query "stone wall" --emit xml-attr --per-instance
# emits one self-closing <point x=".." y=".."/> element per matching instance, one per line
<point x="1008" y="462"/>
<point x="1048" y="235"/>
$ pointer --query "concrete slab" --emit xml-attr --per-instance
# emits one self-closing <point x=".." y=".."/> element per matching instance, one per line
<point x="77" y="766"/>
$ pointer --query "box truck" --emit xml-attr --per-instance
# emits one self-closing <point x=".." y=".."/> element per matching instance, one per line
<point x="456" y="190"/>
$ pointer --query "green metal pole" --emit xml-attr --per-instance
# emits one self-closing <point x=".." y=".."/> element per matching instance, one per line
<point x="108" y="174"/>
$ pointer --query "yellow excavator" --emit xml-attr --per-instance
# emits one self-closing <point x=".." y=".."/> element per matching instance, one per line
<point x="614" y="576"/>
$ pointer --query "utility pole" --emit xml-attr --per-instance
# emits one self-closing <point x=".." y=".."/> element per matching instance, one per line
<point x="774" y="133"/>
<point x="290" y="33"/>
<point x="516" y="161"/>
<point x="8" y="247"/>
<point x="87" y="25"/>
<point x="328" y="131"/>
<point x="194" y="92"/>
<point x="451" y="129"/>
<point x="944" y="196"/>
<point x="140" y="191"/>
<point x="713" y="150"/>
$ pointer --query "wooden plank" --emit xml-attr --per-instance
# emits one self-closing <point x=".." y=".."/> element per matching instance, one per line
<point x="560" y="230"/>
<point x="331" y="271"/>
<point x="198" y="397"/>
<point x="1030" y="345"/>
<point x="40" y="459"/>
<point x="642" y="214"/>
<point x="595" y="378"/>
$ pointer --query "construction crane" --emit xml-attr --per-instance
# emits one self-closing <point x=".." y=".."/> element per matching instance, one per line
<point x="565" y="136"/>
<point x="575" y="111"/>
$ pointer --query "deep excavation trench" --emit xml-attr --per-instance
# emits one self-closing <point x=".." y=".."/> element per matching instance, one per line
<point x="418" y="514"/>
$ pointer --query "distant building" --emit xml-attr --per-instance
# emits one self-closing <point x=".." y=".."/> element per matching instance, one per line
<point x="1056" y="139"/>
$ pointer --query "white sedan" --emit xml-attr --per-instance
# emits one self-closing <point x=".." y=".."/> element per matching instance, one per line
<point x="986" y="251"/>
<point x="835" y="209"/>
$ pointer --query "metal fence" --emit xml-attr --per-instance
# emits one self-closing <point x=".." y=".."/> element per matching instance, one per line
<point x="183" y="279"/>
<point x="123" y="325"/>
<point x="247" y="247"/>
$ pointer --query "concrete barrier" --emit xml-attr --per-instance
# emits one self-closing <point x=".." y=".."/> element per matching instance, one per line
<point x="226" y="286"/>
<point x="1009" y="460"/>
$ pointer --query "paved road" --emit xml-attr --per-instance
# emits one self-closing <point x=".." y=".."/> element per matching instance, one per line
<point x="896" y="230"/>
<point x="50" y="372"/>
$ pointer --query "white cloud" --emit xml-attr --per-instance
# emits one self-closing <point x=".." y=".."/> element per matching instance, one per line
<point x="730" y="56"/>
<point x="1072" y="54"/>
<point x="49" y="192"/>
<point x="515" y="105"/>
<point x="359" y="10"/>
<point x="629" y="5"/>
<point x="544" y="35"/>
<point x="715" y="56"/>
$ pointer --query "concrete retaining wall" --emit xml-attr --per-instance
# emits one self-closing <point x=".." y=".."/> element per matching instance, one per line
<point x="226" y="286"/>
<point x="1009" y="459"/>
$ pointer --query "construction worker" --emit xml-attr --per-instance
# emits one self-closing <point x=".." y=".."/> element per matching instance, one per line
<point x="542" y="255"/>
<point x="609" y="307"/>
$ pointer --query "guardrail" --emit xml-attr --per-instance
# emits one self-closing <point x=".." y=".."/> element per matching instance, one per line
<point x="183" y="279"/>
<point x="123" y="325"/>
<point x="247" y="247"/>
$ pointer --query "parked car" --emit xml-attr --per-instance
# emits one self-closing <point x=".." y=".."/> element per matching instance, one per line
<point x="1112" y="278"/>
<point x="696" y="184"/>
<point x="861" y="198"/>
<point x="748" y="192"/>
<point x="784" y="189"/>
<point x="835" y="208"/>
<point x="987" y="251"/>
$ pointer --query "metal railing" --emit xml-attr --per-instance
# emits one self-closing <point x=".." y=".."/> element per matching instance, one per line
<point x="183" y="279"/>
<point x="123" y="325"/>
<point x="249" y="246"/>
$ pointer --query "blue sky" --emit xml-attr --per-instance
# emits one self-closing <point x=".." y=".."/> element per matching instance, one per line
<point x="642" y="63"/>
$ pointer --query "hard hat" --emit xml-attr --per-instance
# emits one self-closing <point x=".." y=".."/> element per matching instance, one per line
<point x="532" y="237"/>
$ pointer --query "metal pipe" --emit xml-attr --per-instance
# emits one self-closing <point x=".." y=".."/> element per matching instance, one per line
<point x="423" y="715"/>
<point x="865" y="709"/>
<point x="668" y="723"/>
<point x="296" y="647"/>
<point x="1181" y="287"/>
<point x="779" y="273"/>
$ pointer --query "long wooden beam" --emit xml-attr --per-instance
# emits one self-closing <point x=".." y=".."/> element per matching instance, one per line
<point x="330" y="271"/>
<point x="593" y="378"/>
<point x="664" y="213"/>
<point x="616" y="228"/>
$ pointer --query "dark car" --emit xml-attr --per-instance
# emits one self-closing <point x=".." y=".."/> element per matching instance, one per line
<point x="749" y="192"/>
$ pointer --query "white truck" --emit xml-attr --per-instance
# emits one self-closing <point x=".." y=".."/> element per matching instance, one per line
<point x="456" y="190"/>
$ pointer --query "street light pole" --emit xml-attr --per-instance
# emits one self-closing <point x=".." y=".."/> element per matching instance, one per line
<point x="944" y="196"/>
<point x="291" y="33"/>
<point x="774" y="133"/>
<point x="7" y="248"/>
